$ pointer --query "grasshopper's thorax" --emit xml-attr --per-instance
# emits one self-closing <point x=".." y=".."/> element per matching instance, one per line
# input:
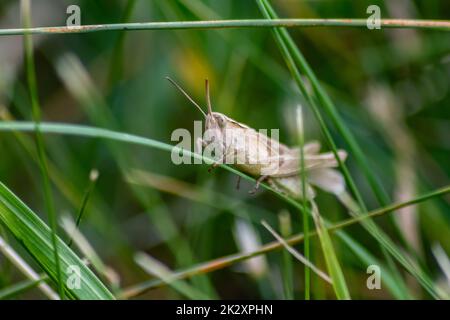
<point x="217" y="124"/>
<point x="220" y="121"/>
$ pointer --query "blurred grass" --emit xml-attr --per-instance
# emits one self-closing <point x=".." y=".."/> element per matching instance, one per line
<point x="296" y="62"/>
<point x="182" y="227"/>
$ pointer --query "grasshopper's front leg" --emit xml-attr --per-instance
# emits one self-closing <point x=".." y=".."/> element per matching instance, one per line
<point x="213" y="166"/>
<point x="217" y="163"/>
<point x="201" y="143"/>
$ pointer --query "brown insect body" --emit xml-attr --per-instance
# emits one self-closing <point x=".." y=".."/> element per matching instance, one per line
<point x="256" y="154"/>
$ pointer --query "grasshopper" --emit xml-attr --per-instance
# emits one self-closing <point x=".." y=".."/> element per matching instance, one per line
<point x="264" y="158"/>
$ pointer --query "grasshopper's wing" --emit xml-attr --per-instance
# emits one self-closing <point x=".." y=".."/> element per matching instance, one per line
<point x="291" y="186"/>
<point x="327" y="179"/>
<point x="312" y="147"/>
<point x="261" y="149"/>
<point x="287" y="165"/>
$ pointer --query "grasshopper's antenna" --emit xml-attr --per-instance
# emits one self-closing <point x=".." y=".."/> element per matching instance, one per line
<point x="187" y="96"/>
<point x="208" y="99"/>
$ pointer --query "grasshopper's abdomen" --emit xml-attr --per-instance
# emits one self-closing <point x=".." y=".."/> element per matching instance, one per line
<point x="249" y="152"/>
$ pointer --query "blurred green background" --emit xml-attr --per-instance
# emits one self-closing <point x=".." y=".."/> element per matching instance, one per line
<point x="392" y="87"/>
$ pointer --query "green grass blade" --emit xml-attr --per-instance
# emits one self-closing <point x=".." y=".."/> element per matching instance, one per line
<point x="333" y="266"/>
<point x="36" y="238"/>
<point x="287" y="265"/>
<point x="304" y="212"/>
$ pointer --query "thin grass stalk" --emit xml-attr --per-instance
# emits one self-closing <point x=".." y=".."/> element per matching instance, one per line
<point x="242" y="44"/>
<point x="36" y="111"/>
<point x="18" y="288"/>
<point x="25" y="268"/>
<point x="297" y="254"/>
<point x="93" y="176"/>
<point x="288" y="277"/>
<point x="223" y="24"/>
<point x="156" y="268"/>
<point x="116" y="63"/>
<point x="331" y="260"/>
<point x="90" y="254"/>
<point x="305" y="215"/>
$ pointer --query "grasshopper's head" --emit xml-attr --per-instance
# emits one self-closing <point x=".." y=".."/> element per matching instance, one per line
<point x="216" y="120"/>
<point x="216" y="125"/>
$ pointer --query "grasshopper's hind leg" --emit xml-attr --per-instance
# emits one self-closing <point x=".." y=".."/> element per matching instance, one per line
<point x="258" y="182"/>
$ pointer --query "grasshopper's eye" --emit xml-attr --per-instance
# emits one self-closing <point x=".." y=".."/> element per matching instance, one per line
<point x="220" y="121"/>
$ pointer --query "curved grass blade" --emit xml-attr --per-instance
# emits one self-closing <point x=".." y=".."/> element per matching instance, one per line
<point x="333" y="266"/>
<point x="35" y="236"/>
